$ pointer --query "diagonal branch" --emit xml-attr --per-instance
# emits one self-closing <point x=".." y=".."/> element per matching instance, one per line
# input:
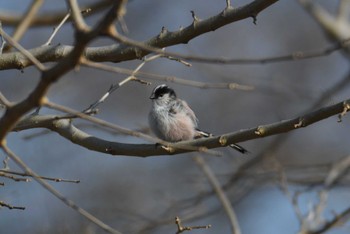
<point x="332" y="223"/>
<point x="26" y="21"/>
<point x="49" y="76"/>
<point x="118" y="53"/>
<point x="52" y="190"/>
<point x="225" y="202"/>
<point x="27" y="54"/>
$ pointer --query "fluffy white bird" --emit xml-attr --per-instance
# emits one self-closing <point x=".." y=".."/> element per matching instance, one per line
<point x="171" y="119"/>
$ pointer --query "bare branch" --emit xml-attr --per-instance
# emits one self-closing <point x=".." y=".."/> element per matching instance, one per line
<point x="4" y="101"/>
<point x="22" y="50"/>
<point x="66" y="17"/>
<point x="181" y="229"/>
<point x="315" y="223"/>
<point x="161" y="146"/>
<point x="3" y="42"/>
<point x="51" y="75"/>
<point x="330" y="224"/>
<point x="3" y="204"/>
<point x="172" y="79"/>
<point x="26" y="20"/>
<point x="51" y="18"/>
<point x="56" y="30"/>
<point x="292" y="198"/>
<point x="66" y="129"/>
<point x="225" y="202"/>
<point x="337" y="29"/>
<point x="120" y="53"/>
<point x="338" y="170"/>
<point x="178" y="60"/>
<point x="79" y="22"/>
<point x="106" y="53"/>
<point x="14" y="178"/>
<point x="53" y="191"/>
<point x="4" y="172"/>
<point x="118" y="85"/>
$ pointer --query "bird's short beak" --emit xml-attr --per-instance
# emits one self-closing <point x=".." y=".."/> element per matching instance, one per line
<point x="152" y="96"/>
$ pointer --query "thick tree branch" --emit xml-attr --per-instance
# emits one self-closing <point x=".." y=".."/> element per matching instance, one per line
<point x="66" y="129"/>
<point x="118" y="53"/>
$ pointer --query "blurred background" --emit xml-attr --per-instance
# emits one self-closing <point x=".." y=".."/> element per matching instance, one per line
<point x="136" y="195"/>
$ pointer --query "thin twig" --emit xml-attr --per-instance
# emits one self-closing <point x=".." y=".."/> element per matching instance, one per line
<point x="178" y="60"/>
<point x="172" y="79"/>
<point x="3" y="42"/>
<point x="181" y="229"/>
<point x="26" y="20"/>
<point x="3" y="204"/>
<point x="41" y="177"/>
<point x="341" y="217"/>
<point x="225" y="202"/>
<point x="314" y="222"/>
<point x="292" y="197"/>
<point x="123" y="25"/>
<point x="56" y="29"/>
<point x="337" y="171"/>
<point x="123" y="82"/>
<point x="6" y="162"/>
<point x="49" y="188"/>
<point x="14" y="178"/>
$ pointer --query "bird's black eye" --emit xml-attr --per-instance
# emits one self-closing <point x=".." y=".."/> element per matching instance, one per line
<point x="161" y="95"/>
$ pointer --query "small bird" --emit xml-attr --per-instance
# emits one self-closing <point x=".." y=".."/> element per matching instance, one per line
<point x="171" y="119"/>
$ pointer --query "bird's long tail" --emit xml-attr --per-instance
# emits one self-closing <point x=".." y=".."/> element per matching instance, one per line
<point x="233" y="146"/>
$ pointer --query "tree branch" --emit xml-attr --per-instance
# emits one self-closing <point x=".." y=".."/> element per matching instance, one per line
<point x="26" y="20"/>
<point x="224" y="200"/>
<point x="118" y="53"/>
<point x="66" y="129"/>
<point x="54" y="192"/>
<point x="52" y="18"/>
<point x="49" y="76"/>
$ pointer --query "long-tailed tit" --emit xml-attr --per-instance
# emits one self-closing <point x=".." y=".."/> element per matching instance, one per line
<point x="171" y="119"/>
